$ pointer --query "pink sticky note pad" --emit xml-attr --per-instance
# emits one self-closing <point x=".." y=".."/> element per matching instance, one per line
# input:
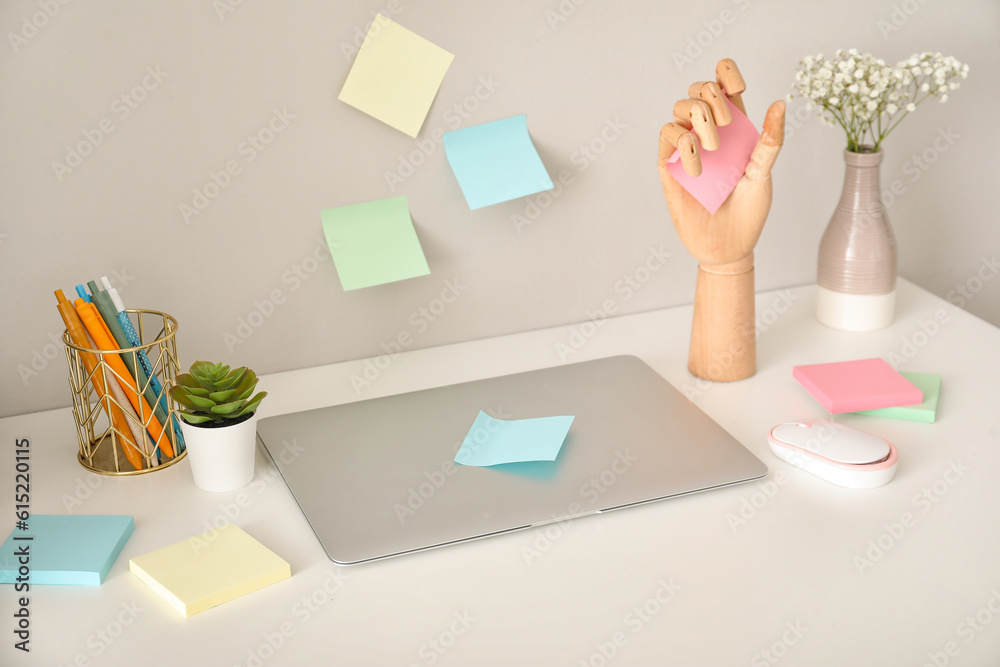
<point x="865" y="384"/>
<point x="721" y="169"/>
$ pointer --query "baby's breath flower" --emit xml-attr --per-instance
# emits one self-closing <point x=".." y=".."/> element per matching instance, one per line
<point x="867" y="97"/>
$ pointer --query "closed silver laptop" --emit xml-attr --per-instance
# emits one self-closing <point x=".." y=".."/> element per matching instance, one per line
<point x="376" y="478"/>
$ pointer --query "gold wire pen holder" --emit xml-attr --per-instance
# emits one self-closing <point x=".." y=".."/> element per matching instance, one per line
<point x="126" y="422"/>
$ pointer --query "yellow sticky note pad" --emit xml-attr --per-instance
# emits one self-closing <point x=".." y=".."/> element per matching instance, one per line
<point x="396" y="75"/>
<point x="209" y="569"/>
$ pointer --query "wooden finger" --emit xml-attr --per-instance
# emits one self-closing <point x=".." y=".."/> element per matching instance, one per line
<point x="711" y="94"/>
<point x="769" y="145"/>
<point x="699" y="115"/>
<point x="690" y="157"/>
<point x="675" y="136"/>
<point x="671" y="132"/>
<point x="728" y="76"/>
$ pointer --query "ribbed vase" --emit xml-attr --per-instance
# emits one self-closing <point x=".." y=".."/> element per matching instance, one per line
<point x="857" y="256"/>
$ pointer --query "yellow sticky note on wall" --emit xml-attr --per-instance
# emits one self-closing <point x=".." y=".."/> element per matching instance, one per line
<point x="396" y="75"/>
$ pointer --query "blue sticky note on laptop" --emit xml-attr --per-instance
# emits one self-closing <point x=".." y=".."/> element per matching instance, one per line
<point x="494" y="441"/>
<point x="64" y="549"/>
<point x="496" y="162"/>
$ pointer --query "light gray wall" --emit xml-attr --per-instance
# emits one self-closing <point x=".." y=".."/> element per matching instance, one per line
<point x="600" y="74"/>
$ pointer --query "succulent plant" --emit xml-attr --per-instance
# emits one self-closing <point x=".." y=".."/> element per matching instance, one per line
<point x="214" y="393"/>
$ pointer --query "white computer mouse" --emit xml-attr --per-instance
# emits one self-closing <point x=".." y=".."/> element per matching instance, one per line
<point x="836" y="452"/>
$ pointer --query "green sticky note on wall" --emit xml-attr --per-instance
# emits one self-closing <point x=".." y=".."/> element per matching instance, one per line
<point x="374" y="243"/>
<point x="930" y="384"/>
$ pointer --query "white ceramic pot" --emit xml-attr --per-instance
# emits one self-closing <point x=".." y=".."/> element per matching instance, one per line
<point x="222" y="459"/>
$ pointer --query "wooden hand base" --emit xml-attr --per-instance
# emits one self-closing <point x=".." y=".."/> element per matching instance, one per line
<point x="724" y="330"/>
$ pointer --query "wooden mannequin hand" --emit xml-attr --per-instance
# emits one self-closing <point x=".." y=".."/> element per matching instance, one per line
<point x="723" y="330"/>
<point x="728" y="236"/>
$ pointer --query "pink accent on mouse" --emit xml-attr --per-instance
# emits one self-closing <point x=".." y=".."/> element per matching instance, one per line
<point x="835" y="452"/>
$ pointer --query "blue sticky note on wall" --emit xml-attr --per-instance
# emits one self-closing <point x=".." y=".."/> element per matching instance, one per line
<point x="494" y="441"/>
<point x="496" y="162"/>
<point x="64" y="550"/>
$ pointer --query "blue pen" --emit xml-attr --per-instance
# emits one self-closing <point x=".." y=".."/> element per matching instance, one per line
<point x="134" y="341"/>
<point x="82" y="291"/>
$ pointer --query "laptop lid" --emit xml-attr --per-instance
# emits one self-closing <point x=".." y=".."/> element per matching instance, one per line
<point x="376" y="478"/>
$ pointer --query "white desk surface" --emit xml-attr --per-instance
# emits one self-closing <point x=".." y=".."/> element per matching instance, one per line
<point x="789" y="569"/>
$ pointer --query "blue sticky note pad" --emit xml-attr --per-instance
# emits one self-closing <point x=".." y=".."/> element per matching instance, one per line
<point x="494" y="441"/>
<point x="65" y="550"/>
<point x="496" y="162"/>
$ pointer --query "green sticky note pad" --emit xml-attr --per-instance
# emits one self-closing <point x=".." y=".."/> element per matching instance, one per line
<point x="374" y="243"/>
<point x="75" y="550"/>
<point x="930" y="384"/>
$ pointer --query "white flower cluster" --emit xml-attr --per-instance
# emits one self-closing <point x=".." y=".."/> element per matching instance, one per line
<point x="868" y="98"/>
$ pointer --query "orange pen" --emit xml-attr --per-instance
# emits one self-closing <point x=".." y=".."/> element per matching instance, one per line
<point x="99" y="332"/>
<point x="78" y="335"/>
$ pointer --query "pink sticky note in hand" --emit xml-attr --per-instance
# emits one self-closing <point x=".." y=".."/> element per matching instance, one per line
<point x="864" y="384"/>
<point x="721" y="169"/>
